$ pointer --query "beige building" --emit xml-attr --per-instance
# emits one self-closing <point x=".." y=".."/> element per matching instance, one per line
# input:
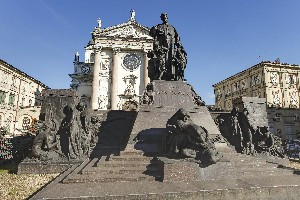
<point x="20" y="99"/>
<point x="275" y="81"/>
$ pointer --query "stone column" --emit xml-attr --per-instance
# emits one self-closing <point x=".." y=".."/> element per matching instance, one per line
<point x="96" y="78"/>
<point x="114" y="83"/>
<point x="146" y="78"/>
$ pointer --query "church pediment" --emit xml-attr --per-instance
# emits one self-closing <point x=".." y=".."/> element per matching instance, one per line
<point x="130" y="29"/>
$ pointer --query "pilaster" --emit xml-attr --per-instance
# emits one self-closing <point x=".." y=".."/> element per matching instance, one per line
<point x="115" y="74"/>
<point x="96" y="78"/>
<point x="146" y="77"/>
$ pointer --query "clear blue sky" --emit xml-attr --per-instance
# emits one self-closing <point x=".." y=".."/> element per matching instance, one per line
<point x="221" y="37"/>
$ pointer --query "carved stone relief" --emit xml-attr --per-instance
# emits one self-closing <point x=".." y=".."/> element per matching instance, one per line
<point x="130" y="106"/>
<point x="105" y="64"/>
<point x="103" y="90"/>
<point x="104" y="74"/>
<point x="102" y="100"/>
<point x="127" y="31"/>
<point x="130" y="83"/>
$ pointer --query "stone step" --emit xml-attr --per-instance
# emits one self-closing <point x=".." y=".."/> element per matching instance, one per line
<point x="131" y="152"/>
<point x="242" y="159"/>
<point x="234" y="154"/>
<point x="258" y="174"/>
<point x="77" y="169"/>
<point x="250" y="169"/>
<point x="245" y="164"/>
<point x="125" y="163"/>
<point x="108" y="178"/>
<point x="241" y="156"/>
<point x="130" y="158"/>
<point x="271" y="188"/>
<point x="122" y="170"/>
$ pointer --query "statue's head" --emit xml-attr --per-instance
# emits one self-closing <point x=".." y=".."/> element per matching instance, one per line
<point x="164" y="17"/>
<point x="81" y="105"/>
<point x="183" y="114"/>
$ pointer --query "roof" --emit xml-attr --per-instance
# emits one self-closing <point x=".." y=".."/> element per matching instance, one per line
<point x="110" y="31"/>
<point x="23" y="73"/>
<point x="125" y="24"/>
<point x="261" y="64"/>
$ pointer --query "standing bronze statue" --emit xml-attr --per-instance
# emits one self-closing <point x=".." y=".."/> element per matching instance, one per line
<point x="169" y="58"/>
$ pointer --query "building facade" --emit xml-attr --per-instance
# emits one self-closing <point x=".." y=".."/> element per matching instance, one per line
<point x="114" y="73"/>
<point x="20" y="99"/>
<point x="277" y="82"/>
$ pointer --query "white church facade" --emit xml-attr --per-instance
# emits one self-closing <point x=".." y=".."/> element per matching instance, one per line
<point x="114" y="73"/>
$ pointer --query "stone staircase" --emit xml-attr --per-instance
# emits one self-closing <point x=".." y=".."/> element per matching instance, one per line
<point x="240" y="166"/>
<point x="129" y="165"/>
<point x="129" y="174"/>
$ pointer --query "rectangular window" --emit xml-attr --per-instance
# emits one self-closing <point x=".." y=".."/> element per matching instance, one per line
<point x="289" y="132"/>
<point x="11" y="99"/>
<point x="271" y="128"/>
<point x="2" y="97"/>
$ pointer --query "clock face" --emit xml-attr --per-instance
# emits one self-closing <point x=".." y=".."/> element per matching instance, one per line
<point x="132" y="61"/>
<point x="85" y="69"/>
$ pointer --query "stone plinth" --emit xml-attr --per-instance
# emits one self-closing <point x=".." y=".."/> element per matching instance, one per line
<point x="178" y="171"/>
<point x="161" y="101"/>
<point x="39" y="168"/>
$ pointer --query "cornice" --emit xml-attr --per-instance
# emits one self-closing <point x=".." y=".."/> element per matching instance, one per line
<point x="9" y="66"/>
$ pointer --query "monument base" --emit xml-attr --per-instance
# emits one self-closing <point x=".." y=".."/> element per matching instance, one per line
<point x="161" y="100"/>
<point x="180" y="171"/>
<point x="40" y="168"/>
<point x="238" y="177"/>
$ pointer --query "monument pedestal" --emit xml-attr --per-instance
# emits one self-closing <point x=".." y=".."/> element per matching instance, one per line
<point x="40" y="168"/>
<point x="161" y="100"/>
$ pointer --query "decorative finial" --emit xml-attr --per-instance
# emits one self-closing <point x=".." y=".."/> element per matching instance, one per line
<point x="132" y="15"/>
<point x="76" y="57"/>
<point x="99" y="23"/>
